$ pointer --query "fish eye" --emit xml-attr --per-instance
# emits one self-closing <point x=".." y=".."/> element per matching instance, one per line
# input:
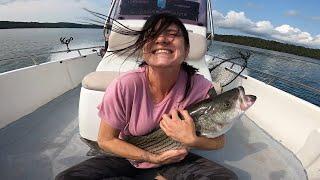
<point x="227" y="104"/>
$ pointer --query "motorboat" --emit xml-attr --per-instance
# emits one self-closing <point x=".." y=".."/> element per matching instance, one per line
<point x="46" y="108"/>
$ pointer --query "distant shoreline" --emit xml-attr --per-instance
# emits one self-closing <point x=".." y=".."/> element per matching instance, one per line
<point x="23" y="25"/>
<point x="235" y="39"/>
<point x="269" y="45"/>
<point x="272" y="52"/>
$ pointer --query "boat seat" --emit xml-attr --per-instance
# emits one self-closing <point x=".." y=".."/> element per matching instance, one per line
<point x="99" y="80"/>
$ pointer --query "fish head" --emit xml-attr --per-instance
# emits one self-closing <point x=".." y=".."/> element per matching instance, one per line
<point x="231" y="104"/>
<point x="217" y="115"/>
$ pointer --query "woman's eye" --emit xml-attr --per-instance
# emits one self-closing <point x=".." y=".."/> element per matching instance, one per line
<point x="173" y="34"/>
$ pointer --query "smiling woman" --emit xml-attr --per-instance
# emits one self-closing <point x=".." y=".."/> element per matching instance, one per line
<point x="138" y="101"/>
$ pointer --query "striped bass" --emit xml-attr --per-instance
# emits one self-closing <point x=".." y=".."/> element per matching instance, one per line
<point x="212" y="117"/>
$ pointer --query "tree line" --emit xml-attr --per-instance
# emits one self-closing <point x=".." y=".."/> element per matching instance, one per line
<point x="270" y="45"/>
<point x="14" y="25"/>
<point x="242" y="40"/>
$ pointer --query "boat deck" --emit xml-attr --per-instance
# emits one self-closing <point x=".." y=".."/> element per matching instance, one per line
<point x="45" y="142"/>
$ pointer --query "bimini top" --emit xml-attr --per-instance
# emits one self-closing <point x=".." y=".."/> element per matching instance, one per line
<point x="189" y="11"/>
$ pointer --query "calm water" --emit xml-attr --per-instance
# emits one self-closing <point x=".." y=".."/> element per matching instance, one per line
<point x="15" y="43"/>
<point x="289" y="67"/>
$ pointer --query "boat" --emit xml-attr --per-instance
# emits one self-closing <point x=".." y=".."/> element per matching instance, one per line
<point x="45" y="109"/>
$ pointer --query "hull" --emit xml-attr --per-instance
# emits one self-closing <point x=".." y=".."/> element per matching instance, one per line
<point x="280" y="142"/>
<point x="25" y="90"/>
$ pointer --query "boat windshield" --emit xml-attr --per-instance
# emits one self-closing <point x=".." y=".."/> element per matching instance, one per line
<point x="189" y="11"/>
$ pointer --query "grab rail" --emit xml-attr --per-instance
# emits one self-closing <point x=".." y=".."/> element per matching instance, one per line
<point x="273" y="78"/>
<point x="32" y="57"/>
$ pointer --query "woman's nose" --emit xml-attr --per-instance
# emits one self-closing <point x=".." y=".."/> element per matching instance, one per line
<point x="162" y="39"/>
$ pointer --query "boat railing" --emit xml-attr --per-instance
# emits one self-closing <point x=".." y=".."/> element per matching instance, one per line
<point x="33" y="57"/>
<point x="271" y="78"/>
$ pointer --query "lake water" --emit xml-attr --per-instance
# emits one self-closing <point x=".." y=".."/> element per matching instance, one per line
<point x="17" y="45"/>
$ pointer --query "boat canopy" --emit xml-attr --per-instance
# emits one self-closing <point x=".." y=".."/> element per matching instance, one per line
<point x="189" y="11"/>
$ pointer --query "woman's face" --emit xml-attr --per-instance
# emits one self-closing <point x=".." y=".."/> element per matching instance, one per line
<point x="167" y="50"/>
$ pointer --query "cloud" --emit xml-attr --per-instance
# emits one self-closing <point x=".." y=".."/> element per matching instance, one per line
<point x="253" y="5"/>
<point x="2" y="2"/>
<point x="291" y="13"/>
<point x="48" y="10"/>
<point x="294" y="13"/>
<point x="285" y="33"/>
<point x="316" y="18"/>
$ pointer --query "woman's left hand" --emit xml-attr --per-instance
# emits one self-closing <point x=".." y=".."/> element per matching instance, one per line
<point x="179" y="130"/>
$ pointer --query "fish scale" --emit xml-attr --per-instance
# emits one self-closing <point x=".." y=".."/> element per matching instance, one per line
<point x="155" y="142"/>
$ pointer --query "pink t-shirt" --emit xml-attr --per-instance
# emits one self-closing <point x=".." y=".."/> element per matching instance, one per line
<point x="127" y="104"/>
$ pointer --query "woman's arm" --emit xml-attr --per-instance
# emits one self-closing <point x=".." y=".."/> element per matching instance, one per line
<point x="184" y="132"/>
<point x="108" y="140"/>
<point x="208" y="143"/>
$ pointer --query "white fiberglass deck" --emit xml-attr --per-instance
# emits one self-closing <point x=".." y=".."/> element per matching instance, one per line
<point x="41" y="144"/>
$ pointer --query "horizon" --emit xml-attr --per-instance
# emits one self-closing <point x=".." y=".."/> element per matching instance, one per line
<point x="286" y="21"/>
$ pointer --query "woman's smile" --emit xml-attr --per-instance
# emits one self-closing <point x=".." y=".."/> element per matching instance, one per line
<point x="162" y="51"/>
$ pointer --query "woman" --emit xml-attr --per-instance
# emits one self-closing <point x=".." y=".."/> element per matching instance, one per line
<point x="144" y="99"/>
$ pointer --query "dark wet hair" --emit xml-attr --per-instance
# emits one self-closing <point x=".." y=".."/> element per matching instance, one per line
<point x="154" y="26"/>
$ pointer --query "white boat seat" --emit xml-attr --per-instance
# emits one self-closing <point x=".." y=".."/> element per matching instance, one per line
<point x="99" y="80"/>
<point x="198" y="45"/>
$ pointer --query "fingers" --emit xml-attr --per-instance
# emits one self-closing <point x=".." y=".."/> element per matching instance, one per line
<point x="185" y="115"/>
<point x="177" y="153"/>
<point x="167" y="130"/>
<point x="183" y="152"/>
<point x="166" y="124"/>
<point x="180" y="154"/>
<point x="174" y="114"/>
<point x="166" y="117"/>
<point x="174" y="155"/>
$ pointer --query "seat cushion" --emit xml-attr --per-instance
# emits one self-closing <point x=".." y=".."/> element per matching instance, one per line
<point x="99" y="80"/>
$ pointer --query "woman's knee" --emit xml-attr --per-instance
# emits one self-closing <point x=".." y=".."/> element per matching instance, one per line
<point x="227" y="174"/>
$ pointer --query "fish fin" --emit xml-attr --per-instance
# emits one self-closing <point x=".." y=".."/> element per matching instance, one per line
<point x="91" y="144"/>
<point x="93" y="152"/>
<point x="212" y="92"/>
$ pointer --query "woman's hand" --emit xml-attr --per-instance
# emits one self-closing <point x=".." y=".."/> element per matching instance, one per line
<point x="179" y="130"/>
<point x="170" y="156"/>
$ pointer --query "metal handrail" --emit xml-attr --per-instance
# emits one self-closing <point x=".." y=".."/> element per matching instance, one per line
<point x="210" y="16"/>
<point x="54" y="52"/>
<point x="273" y="78"/>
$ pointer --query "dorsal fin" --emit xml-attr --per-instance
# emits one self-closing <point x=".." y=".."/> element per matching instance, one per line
<point x="212" y="92"/>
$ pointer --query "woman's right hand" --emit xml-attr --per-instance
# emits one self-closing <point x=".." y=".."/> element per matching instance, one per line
<point x="170" y="156"/>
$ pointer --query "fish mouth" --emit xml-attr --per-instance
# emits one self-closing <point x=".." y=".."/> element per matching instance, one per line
<point x="246" y="100"/>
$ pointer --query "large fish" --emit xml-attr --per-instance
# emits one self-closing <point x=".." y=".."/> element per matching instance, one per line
<point x="212" y="117"/>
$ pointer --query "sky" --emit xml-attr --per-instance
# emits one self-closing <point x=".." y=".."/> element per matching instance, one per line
<point x="291" y="21"/>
